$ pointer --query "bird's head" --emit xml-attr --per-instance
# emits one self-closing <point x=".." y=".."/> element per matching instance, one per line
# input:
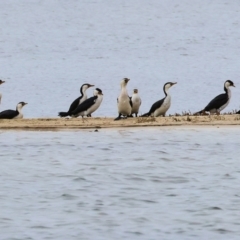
<point x="135" y="90"/>
<point x="85" y="86"/>
<point x="228" y="84"/>
<point x="124" y="82"/>
<point x="20" y="105"/>
<point x="98" y="91"/>
<point x="168" y="85"/>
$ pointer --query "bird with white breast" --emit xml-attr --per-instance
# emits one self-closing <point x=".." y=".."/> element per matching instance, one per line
<point x="160" y="107"/>
<point x="136" y="102"/>
<point x="13" y="114"/>
<point x="88" y="106"/>
<point x="216" y="105"/>
<point x="1" y="82"/>
<point x="124" y="102"/>
<point x="77" y="101"/>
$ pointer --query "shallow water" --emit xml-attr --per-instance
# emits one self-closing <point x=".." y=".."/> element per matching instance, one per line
<point x="155" y="183"/>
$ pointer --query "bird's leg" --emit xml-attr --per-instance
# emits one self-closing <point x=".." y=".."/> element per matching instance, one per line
<point x="203" y="113"/>
<point x="84" y="119"/>
<point x="119" y="117"/>
<point x="136" y="114"/>
<point x="218" y="113"/>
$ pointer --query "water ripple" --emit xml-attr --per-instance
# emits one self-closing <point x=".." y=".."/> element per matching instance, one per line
<point x="95" y="190"/>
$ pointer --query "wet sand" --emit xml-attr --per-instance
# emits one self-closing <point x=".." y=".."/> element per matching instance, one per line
<point x="78" y="123"/>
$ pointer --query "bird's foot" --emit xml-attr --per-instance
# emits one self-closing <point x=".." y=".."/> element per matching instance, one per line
<point x="118" y="118"/>
<point x="84" y="119"/>
<point x="203" y="113"/>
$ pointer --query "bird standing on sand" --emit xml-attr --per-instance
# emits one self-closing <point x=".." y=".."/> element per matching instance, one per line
<point x="219" y="102"/>
<point x="95" y="93"/>
<point x="89" y="106"/>
<point x="1" y="82"/>
<point x="160" y="107"/>
<point x="136" y="102"/>
<point x="77" y="101"/>
<point x="124" y="102"/>
<point x="10" y="114"/>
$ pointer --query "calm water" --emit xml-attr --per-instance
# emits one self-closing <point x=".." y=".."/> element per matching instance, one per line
<point x="119" y="184"/>
<point x="154" y="183"/>
<point x="48" y="49"/>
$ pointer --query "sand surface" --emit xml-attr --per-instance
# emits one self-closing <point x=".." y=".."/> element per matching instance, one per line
<point x="78" y="123"/>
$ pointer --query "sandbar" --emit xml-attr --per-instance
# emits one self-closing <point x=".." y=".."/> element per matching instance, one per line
<point x="107" y="122"/>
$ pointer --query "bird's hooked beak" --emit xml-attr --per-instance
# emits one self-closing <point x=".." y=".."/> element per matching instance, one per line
<point x="233" y="85"/>
<point x="25" y="104"/>
<point x="1" y="81"/>
<point x="91" y="85"/>
<point x="174" y="83"/>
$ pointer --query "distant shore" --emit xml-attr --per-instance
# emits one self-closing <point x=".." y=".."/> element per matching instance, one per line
<point x="97" y="122"/>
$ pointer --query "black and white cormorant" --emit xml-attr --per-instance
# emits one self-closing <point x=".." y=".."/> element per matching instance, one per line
<point x="95" y="93"/>
<point x="10" y="114"/>
<point x="160" y="107"/>
<point x="136" y="102"/>
<point x="124" y="102"/>
<point x="77" y="101"/>
<point x="1" y="82"/>
<point x="89" y="106"/>
<point x="219" y="102"/>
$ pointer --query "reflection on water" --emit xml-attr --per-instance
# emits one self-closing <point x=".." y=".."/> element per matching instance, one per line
<point x="153" y="183"/>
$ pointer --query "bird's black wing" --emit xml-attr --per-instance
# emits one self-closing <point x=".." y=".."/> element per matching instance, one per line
<point x="217" y="102"/>
<point x="156" y="105"/>
<point x="8" y="114"/>
<point x="72" y="107"/>
<point x="85" y="105"/>
<point x="130" y="101"/>
<point x="74" y="104"/>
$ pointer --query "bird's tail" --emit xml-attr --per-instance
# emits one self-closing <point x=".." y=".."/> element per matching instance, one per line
<point x="145" y="115"/>
<point x="202" y="112"/>
<point x="63" y="114"/>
